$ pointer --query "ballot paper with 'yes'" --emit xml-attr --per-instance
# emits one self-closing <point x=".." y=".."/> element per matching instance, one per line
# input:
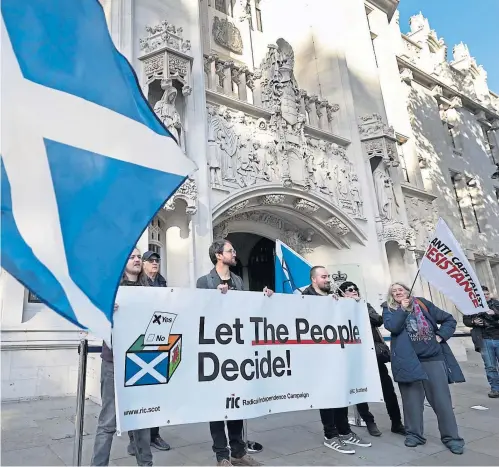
<point x="158" y="329"/>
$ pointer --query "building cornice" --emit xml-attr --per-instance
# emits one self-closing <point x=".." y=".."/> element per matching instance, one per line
<point x="430" y="81"/>
<point x="417" y="192"/>
<point x="388" y="6"/>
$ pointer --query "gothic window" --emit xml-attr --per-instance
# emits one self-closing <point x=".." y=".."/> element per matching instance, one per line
<point x="258" y="15"/>
<point x="455" y="177"/>
<point x="403" y="164"/>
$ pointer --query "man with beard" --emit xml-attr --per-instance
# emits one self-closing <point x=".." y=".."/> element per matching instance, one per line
<point x="223" y="255"/>
<point x="337" y="432"/>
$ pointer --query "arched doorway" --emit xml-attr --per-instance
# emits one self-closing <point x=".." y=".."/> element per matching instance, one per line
<point x="261" y="265"/>
<point x="255" y="260"/>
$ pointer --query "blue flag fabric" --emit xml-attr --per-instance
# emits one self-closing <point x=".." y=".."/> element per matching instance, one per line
<point x="85" y="162"/>
<point x="292" y="271"/>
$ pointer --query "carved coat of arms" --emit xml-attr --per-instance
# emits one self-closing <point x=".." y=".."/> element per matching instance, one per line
<point x="227" y="35"/>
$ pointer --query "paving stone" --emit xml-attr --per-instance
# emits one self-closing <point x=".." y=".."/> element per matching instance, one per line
<point x="42" y="455"/>
<point x="489" y="446"/>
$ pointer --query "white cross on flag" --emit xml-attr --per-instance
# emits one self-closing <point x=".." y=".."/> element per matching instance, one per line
<point x="85" y="163"/>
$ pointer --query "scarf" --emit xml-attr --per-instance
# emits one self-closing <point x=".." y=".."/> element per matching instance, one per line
<point x="423" y="330"/>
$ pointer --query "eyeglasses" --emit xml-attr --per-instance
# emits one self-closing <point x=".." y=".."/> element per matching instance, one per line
<point x="352" y="289"/>
<point x="232" y="252"/>
<point x="153" y="260"/>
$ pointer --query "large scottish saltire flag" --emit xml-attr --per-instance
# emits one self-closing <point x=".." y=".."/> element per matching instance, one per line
<point x="292" y="271"/>
<point x="85" y="162"/>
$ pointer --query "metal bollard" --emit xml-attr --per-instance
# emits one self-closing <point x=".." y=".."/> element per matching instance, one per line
<point x="80" y="401"/>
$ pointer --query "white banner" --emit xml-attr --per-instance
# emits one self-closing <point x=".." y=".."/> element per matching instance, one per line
<point x="237" y="356"/>
<point x="445" y="266"/>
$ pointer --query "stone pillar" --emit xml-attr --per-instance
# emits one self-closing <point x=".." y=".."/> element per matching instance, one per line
<point x="303" y="97"/>
<point x="210" y="68"/>
<point x="220" y="78"/>
<point x="322" y="114"/>
<point x="143" y="242"/>
<point x="239" y="77"/>
<point x="312" y="111"/>
<point x="331" y="109"/>
<point x="255" y="86"/>
<point x="227" y="66"/>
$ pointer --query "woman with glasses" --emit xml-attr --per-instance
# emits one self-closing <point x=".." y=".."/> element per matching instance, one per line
<point x="423" y="363"/>
<point x="349" y="289"/>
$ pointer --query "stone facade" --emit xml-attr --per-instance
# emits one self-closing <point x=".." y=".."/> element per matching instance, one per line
<point x="304" y="129"/>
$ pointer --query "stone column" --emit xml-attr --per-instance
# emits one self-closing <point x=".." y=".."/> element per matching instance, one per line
<point x="312" y="111"/>
<point x="210" y="68"/>
<point x="220" y="75"/>
<point x="227" y="66"/>
<point x="303" y="97"/>
<point x="331" y="109"/>
<point x="255" y="85"/>
<point x="239" y="77"/>
<point x="322" y="114"/>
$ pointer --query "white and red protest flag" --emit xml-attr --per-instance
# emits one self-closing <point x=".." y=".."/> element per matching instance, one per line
<point x="445" y="266"/>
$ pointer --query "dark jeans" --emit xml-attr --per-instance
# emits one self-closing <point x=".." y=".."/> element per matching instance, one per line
<point x="154" y="433"/>
<point x="335" y="422"/>
<point x="490" y="355"/>
<point x="391" y="402"/>
<point x="236" y="442"/>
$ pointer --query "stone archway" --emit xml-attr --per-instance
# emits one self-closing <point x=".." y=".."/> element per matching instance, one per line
<point x="297" y="217"/>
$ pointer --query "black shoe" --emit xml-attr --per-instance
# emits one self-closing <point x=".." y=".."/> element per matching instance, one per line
<point x="373" y="429"/>
<point x="399" y="429"/>
<point x="130" y="449"/>
<point x="160" y="443"/>
<point x="253" y="447"/>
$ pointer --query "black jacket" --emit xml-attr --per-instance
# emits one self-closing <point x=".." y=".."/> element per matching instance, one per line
<point x="212" y="281"/>
<point x="490" y="324"/>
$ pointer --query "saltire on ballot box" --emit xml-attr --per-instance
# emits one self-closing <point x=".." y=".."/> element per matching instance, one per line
<point x="445" y="266"/>
<point x="85" y="161"/>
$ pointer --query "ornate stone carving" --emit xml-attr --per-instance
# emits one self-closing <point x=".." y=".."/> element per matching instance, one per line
<point x="166" y="111"/>
<point x="406" y="75"/>
<point x="187" y="192"/>
<point x="395" y="231"/>
<point x="269" y="200"/>
<point x="154" y="65"/>
<point x="237" y="208"/>
<point x="305" y="206"/>
<point x="226" y="34"/>
<point x="280" y="93"/>
<point x="164" y="35"/>
<point x="331" y="109"/>
<point x="221" y="230"/>
<point x="337" y="227"/>
<point x="246" y="151"/>
<point x="422" y="216"/>
<point x="372" y="126"/>
<point x="178" y="66"/>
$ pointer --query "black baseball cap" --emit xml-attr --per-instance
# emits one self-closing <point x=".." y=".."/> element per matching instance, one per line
<point x="149" y="254"/>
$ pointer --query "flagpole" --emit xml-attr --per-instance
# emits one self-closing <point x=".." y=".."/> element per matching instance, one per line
<point x="414" y="282"/>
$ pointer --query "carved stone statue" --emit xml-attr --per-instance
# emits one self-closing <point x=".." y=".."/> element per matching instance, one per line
<point x="385" y="195"/>
<point x="214" y="152"/>
<point x="356" y="194"/>
<point x="166" y="111"/>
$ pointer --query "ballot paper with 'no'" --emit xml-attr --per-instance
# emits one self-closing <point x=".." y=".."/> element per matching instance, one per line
<point x="158" y="329"/>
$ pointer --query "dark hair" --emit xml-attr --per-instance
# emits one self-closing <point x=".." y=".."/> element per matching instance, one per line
<point x="313" y="270"/>
<point x="217" y="248"/>
<point x="344" y="286"/>
<point x="485" y="288"/>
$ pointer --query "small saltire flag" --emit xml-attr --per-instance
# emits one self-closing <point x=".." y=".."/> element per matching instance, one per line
<point x="85" y="162"/>
<point x="445" y="266"/>
<point x="292" y="272"/>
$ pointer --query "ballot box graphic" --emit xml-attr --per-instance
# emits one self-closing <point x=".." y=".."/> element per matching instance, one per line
<point x="155" y="355"/>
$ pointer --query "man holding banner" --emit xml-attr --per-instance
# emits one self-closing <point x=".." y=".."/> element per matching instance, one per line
<point x="337" y="432"/>
<point x="223" y="255"/>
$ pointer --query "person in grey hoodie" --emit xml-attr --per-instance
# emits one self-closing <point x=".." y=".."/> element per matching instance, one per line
<point x="106" y="425"/>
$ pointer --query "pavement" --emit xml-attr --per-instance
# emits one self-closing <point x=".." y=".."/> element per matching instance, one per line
<point x="41" y="432"/>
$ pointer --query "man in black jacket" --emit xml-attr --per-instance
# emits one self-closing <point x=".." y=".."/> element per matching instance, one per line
<point x="150" y="277"/>
<point x="337" y="433"/>
<point x="349" y="289"/>
<point x="223" y="255"/>
<point x="485" y="335"/>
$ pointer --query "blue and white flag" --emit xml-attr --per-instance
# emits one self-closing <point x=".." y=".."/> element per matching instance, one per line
<point x="85" y="161"/>
<point x="292" y="272"/>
